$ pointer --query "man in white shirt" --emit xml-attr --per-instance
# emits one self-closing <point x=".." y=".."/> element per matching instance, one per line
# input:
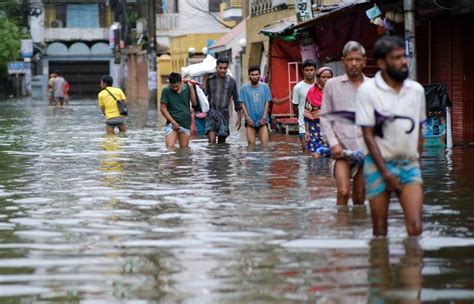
<point x="300" y="90"/>
<point x="393" y="147"/>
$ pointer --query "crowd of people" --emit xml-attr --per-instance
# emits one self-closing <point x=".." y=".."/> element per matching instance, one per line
<point x="338" y="117"/>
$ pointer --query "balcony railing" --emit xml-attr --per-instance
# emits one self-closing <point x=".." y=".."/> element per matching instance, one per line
<point x="233" y="4"/>
<point x="72" y="34"/>
<point x="260" y="7"/>
<point x="166" y="22"/>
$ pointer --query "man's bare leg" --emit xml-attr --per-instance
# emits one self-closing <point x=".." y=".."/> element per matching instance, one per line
<point x="358" y="188"/>
<point x="411" y="199"/>
<point x="122" y="128"/>
<point x="170" y="140"/>
<point x="109" y="130"/>
<point x="183" y="139"/>
<point x="251" y="135"/>
<point x="379" y="213"/>
<point x="342" y="173"/>
<point x="211" y="137"/>
<point x="221" y="139"/>
<point x="264" y="134"/>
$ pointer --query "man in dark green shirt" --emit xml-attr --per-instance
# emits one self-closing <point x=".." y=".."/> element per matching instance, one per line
<point x="176" y="100"/>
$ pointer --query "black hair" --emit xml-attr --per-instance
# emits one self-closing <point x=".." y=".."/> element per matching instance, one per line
<point x="254" y="68"/>
<point x="57" y="72"/>
<point x="107" y="79"/>
<point x="174" y="78"/>
<point x="386" y="44"/>
<point x="309" y="62"/>
<point x="222" y="60"/>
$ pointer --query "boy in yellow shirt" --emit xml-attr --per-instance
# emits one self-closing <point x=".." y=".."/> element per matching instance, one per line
<point x="108" y="105"/>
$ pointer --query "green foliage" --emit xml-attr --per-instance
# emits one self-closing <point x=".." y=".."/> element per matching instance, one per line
<point x="10" y="43"/>
<point x="11" y="10"/>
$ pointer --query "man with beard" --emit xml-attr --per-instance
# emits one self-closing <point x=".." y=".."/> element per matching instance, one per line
<point x="255" y="99"/>
<point x="300" y="90"/>
<point x="391" y="163"/>
<point x="339" y="95"/>
<point x="220" y="90"/>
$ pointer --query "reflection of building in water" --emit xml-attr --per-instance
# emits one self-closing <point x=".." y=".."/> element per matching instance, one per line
<point x="397" y="282"/>
<point x="110" y="163"/>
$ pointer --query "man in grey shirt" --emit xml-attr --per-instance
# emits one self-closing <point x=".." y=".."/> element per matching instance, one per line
<point x="339" y="95"/>
<point x="58" y="88"/>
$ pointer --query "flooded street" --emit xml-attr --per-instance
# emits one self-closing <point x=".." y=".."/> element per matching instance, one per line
<point x="87" y="218"/>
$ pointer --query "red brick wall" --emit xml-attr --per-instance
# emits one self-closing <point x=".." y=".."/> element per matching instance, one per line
<point x="445" y="61"/>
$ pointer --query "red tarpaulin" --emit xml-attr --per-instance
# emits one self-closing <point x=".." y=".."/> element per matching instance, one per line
<point x="282" y="52"/>
<point x="330" y="33"/>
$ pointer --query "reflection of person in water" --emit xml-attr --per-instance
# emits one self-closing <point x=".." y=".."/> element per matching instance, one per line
<point x="110" y="164"/>
<point x="400" y="281"/>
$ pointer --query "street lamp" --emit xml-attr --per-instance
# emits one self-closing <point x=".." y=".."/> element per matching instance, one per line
<point x="243" y="43"/>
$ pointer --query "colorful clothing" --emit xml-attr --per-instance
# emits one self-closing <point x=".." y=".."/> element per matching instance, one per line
<point x="339" y="95"/>
<point x="407" y="171"/>
<point x="169" y="129"/>
<point x="255" y="99"/>
<point x="109" y="103"/>
<point x="377" y="95"/>
<point x="316" y="143"/>
<point x="299" y="98"/>
<point x="220" y="92"/>
<point x="178" y="105"/>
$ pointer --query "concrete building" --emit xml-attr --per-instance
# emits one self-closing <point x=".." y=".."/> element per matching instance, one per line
<point x="73" y="37"/>
<point x="185" y="27"/>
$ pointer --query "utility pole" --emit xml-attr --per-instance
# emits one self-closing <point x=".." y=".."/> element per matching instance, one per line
<point x="410" y="41"/>
<point x="152" y="77"/>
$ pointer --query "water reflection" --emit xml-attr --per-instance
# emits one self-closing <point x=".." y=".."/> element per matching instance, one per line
<point x="111" y="164"/>
<point x="395" y="276"/>
<point x="91" y="218"/>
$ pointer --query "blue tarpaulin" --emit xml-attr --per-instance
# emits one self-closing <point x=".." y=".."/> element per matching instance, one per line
<point x="83" y="15"/>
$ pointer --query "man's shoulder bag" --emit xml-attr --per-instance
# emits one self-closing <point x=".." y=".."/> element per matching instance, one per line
<point x="122" y="106"/>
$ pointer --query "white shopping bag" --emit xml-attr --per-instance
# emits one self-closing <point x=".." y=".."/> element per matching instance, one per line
<point x="202" y="99"/>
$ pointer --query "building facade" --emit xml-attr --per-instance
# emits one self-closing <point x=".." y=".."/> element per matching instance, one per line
<point x="73" y="37"/>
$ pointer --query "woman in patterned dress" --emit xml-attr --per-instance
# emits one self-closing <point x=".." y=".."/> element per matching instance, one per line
<point x="316" y="145"/>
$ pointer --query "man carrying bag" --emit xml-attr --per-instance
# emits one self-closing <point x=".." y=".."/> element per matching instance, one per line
<point x="109" y="101"/>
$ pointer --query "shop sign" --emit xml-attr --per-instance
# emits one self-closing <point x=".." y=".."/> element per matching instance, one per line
<point x="304" y="11"/>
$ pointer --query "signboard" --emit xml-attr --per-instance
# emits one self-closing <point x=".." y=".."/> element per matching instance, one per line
<point x="26" y="48"/>
<point x="304" y="11"/>
<point x="16" y="67"/>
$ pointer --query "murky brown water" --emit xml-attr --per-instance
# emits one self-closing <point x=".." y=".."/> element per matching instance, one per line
<point x="86" y="218"/>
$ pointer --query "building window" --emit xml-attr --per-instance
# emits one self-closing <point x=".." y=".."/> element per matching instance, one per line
<point x="214" y="5"/>
<point x="83" y="15"/>
<point x="167" y="7"/>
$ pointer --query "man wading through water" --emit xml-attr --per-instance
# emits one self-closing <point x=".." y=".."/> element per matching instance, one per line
<point x="339" y="95"/>
<point x="108" y="105"/>
<point x="392" y="161"/>
<point x="220" y="89"/>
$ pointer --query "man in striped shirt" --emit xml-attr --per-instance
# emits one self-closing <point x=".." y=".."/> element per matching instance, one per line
<point x="220" y="89"/>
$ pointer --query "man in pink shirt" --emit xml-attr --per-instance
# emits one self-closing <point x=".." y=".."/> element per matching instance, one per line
<point x="339" y="95"/>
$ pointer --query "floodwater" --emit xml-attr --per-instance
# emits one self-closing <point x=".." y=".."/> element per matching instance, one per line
<point x="86" y="218"/>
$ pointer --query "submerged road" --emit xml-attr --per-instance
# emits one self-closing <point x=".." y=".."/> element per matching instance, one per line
<point x="89" y="218"/>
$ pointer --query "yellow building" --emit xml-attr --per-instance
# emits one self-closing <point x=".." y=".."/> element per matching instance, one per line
<point x="180" y="46"/>
<point x="262" y="13"/>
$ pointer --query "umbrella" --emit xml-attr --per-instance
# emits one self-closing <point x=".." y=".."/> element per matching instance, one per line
<point x="380" y="120"/>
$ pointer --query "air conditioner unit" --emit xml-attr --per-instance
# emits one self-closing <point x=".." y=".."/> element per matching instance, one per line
<point x="55" y="23"/>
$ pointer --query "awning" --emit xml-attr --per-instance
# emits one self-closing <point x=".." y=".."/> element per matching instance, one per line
<point x="332" y="11"/>
<point x="283" y="29"/>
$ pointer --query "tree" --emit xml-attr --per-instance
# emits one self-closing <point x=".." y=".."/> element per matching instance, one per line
<point x="10" y="45"/>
